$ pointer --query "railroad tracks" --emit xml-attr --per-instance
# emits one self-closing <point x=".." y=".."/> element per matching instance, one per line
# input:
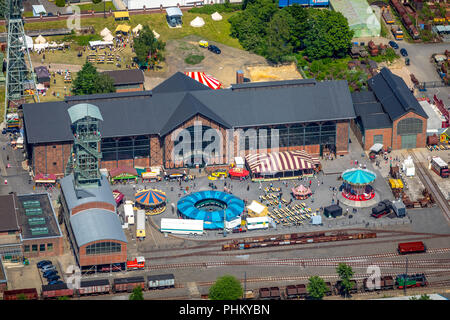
<point x="431" y="185"/>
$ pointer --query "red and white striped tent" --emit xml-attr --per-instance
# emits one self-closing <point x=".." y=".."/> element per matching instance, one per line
<point x="279" y="162"/>
<point x="201" y="77"/>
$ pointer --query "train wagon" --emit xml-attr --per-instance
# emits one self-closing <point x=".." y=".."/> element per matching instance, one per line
<point x="161" y="281"/>
<point x="53" y="291"/>
<point x="339" y="288"/>
<point x="296" y="291"/>
<point x="275" y="293"/>
<point x="94" y="287"/>
<point x="415" y="280"/>
<point x="140" y="224"/>
<point x="264" y="293"/>
<point x="28" y="294"/>
<point x="411" y="247"/>
<point x="128" y="284"/>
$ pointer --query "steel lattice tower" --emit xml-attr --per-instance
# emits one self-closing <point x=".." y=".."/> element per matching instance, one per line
<point x="85" y="156"/>
<point x="20" y="81"/>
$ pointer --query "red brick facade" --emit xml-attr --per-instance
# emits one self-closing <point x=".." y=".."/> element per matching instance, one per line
<point x="107" y="258"/>
<point x="421" y="140"/>
<point x="369" y="137"/>
<point x="52" y="158"/>
<point x="32" y="248"/>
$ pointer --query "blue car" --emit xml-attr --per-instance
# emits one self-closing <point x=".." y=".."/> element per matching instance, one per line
<point x="43" y="263"/>
<point x="53" y="278"/>
<point x="49" y="273"/>
<point x="56" y="282"/>
<point x="403" y="52"/>
<point x="393" y="44"/>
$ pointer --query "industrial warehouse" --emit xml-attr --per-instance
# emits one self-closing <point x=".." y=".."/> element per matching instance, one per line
<point x="313" y="116"/>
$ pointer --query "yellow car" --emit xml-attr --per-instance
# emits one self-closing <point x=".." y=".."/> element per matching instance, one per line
<point x="219" y="174"/>
<point x="212" y="178"/>
<point x="203" y="43"/>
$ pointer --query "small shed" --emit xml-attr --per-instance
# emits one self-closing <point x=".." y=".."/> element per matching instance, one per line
<point x="316" y="220"/>
<point x="332" y="211"/>
<point x="42" y="75"/>
<point x="38" y="10"/>
<point x="399" y="208"/>
<point x="173" y="16"/>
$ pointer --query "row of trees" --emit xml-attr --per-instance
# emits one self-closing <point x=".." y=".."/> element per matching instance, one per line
<point x="277" y="34"/>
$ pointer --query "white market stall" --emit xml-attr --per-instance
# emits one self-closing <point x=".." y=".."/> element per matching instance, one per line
<point x="257" y="223"/>
<point x="216" y="16"/>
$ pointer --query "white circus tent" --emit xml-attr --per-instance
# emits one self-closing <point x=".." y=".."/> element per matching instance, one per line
<point x="216" y="16"/>
<point x="40" y="40"/>
<point x="197" y="22"/>
<point x="105" y="32"/>
<point x="201" y="77"/>
<point x="108" y="38"/>
<point x="137" y="28"/>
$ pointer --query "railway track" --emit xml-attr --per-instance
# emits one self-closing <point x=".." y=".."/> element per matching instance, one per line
<point x="431" y="185"/>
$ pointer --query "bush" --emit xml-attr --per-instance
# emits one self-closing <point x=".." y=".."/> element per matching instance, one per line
<point x="84" y="40"/>
<point x="211" y="8"/>
<point x="194" y="59"/>
<point x="96" y="1"/>
<point x="60" y="3"/>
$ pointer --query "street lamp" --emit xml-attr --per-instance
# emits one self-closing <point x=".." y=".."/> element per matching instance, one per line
<point x="104" y="9"/>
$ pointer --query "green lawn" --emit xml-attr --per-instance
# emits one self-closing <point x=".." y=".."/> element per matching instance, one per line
<point x="218" y="31"/>
<point x="99" y="7"/>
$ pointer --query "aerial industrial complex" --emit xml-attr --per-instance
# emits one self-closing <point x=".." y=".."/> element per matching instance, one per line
<point x="173" y="179"/>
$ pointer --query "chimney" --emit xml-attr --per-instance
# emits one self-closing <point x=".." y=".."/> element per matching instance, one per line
<point x="239" y="76"/>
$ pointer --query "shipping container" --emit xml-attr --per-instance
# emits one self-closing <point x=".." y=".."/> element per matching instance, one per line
<point x="305" y="3"/>
<point x="257" y="223"/>
<point x="161" y="281"/>
<point x="92" y="287"/>
<point x="128" y="284"/>
<point x="411" y="247"/>
<point x="440" y="167"/>
<point x="28" y="294"/>
<point x="182" y="226"/>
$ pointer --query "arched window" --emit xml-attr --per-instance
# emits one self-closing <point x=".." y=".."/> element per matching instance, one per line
<point x="409" y="126"/>
<point x="103" y="248"/>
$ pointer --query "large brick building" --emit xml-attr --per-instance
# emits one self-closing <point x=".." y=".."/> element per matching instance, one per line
<point x="93" y="226"/>
<point x="144" y="128"/>
<point x="389" y="114"/>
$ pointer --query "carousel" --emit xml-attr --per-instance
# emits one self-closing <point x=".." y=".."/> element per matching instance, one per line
<point x="356" y="190"/>
<point x="301" y="192"/>
<point x="152" y="201"/>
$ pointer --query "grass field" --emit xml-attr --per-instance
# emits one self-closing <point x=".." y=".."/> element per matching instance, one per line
<point x="218" y="31"/>
<point x="99" y="7"/>
<point x="58" y="88"/>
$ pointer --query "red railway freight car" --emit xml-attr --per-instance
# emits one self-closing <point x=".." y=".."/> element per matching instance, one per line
<point x="264" y="293"/>
<point x="19" y="294"/>
<point x="128" y="284"/>
<point x="94" y="287"/>
<point x="53" y="291"/>
<point x="411" y="247"/>
<point x="275" y="293"/>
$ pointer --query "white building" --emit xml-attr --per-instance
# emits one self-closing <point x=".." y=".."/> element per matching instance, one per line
<point x="38" y="9"/>
<point x="139" y="4"/>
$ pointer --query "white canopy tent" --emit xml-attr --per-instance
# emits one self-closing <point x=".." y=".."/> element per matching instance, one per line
<point x="108" y="38"/>
<point x="197" y="22"/>
<point x="40" y="46"/>
<point x="29" y="42"/>
<point x="137" y="28"/>
<point x="40" y="39"/>
<point x="105" y="32"/>
<point x="216" y="16"/>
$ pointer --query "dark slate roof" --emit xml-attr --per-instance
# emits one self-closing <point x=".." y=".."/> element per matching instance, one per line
<point x="179" y="82"/>
<point x="128" y="280"/>
<point x="42" y="72"/>
<point x="161" y="277"/>
<point x="163" y="110"/>
<point x="124" y="77"/>
<point x="94" y="282"/>
<point x="363" y="97"/>
<point x="376" y="121"/>
<point x="100" y="96"/>
<point x="188" y="107"/>
<point x="273" y="84"/>
<point x="394" y="95"/>
<point x="8" y="218"/>
<point x="368" y="108"/>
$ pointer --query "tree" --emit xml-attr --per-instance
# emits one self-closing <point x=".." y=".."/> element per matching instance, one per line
<point x="60" y="3"/>
<point x="148" y="48"/>
<point x="63" y="298"/>
<point x="137" y="294"/>
<point x="89" y="81"/>
<point x="422" y="297"/>
<point x="316" y="287"/>
<point x="278" y="36"/>
<point x="21" y="296"/>
<point x="327" y="34"/>
<point x="345" y="272"/>
<point x="97" y="1"/>
<point x="226" y="288"/>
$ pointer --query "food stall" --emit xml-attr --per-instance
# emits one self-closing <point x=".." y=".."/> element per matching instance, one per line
<point x="256" y="209"/>
<point x="41" y="178"/>
<point x="174" y="174"/>
<point x="118" y="197"/>
<point x="123" y="174"/>
<point x="151" y="176"/>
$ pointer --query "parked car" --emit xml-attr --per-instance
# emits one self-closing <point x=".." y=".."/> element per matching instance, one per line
<point x="48" y="268"/>
<point x="43" y="263"/>
<point x="393" y="44"/>
<point x="56" y="282"/>
<point x="407" y="62"/>
<point x="403" y="52"/>
<point x="214" y="49"/>
<point x="50" y="14"/>
<point x="50" y="273"/>
<point x="53" y="278"/>
<point x="203" y="43"/>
